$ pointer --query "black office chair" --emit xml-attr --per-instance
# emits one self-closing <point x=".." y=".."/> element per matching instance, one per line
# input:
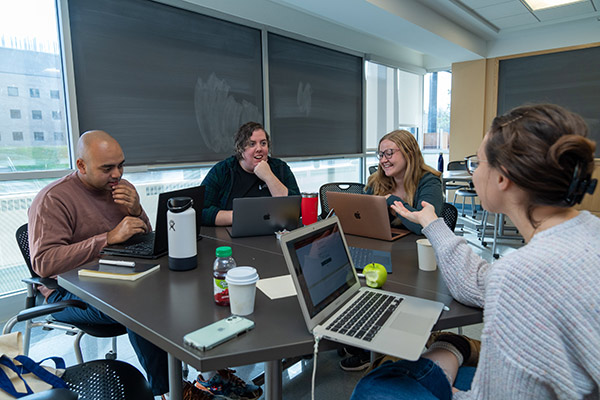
<point x="373" y="169"/>
<point x="450" y="215"/>
<point x="34" y="309"/>
<point x="100" y="380"/>
<point x="342" y="187"/>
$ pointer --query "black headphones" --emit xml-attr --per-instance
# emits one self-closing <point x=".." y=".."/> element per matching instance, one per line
<point x="579" y="187"/>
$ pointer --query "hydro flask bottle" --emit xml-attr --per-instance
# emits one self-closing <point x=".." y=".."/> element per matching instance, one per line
<point x="181" y="223"/>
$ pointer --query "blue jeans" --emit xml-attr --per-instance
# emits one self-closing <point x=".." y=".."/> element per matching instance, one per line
<point x="421" y="380"/>
<point x="152" y="358"/>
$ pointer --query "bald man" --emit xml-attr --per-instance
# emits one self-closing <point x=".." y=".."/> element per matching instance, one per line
<point x="72" y="219"/>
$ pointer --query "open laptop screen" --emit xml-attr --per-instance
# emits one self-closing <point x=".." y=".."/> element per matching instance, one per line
<point x="323" y="267"/>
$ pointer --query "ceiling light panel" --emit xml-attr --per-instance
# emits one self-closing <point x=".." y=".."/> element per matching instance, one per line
<point x="543" y="4"/>
<point x="579" y="10"/>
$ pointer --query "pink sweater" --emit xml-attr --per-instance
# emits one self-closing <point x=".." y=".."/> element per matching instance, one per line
<point x="68" y="225"/>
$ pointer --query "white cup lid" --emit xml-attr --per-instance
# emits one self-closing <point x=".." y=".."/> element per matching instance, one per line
<point x="241" y="276"/>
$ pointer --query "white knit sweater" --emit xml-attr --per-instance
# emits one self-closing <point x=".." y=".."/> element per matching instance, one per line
<point x="541" y="335"/>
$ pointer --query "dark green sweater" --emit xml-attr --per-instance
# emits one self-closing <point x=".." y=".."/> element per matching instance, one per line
<point x="219" y="182"/>
<point x="429" y="190"/>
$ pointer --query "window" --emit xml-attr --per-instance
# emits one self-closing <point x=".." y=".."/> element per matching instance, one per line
<point x="393" y="98"/>
<point x="32" y="69"/>
<point x="59" y="136"/>
<point x="436" y="110"/>
<point x="15" y="114"/>
<point x="38" y="136"/>
<point x="36" y="114"/>
<point x="55" y="114"/>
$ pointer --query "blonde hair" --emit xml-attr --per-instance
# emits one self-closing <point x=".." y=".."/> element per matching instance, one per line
<point x="381" y="184"/>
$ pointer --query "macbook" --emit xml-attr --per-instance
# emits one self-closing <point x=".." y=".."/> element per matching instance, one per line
<point x="364" y="215"/>
<point x="155" y="244"/>
<point x="259" y="216"/>
<point x="331" y="296"/>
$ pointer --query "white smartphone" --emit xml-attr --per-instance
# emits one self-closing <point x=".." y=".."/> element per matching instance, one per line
<point x="218" y="332"/>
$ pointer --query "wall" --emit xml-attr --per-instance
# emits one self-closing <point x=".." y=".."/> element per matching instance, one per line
<point x="467" y="110"/>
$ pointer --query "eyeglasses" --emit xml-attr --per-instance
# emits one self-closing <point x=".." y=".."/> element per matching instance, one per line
<point x="387" y="153"/>
<point x="472" y="163"/>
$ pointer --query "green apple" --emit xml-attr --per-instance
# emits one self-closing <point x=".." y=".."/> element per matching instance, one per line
<point x="375" y="275"/>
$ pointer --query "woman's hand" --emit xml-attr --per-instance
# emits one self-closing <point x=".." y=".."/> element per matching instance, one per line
<point x="423" y="217"/>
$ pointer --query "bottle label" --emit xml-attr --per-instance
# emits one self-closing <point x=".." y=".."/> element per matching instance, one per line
<point x="221" y="292"/>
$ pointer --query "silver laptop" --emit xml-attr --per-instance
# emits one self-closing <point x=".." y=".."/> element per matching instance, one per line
<point x="364" y="215"/>
<point x="259" y="216"/>
<point x="329" y="293"/>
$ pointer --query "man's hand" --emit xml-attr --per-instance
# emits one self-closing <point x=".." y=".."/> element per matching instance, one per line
<point x="125" y="194"/>
<point x="263" y="171"/>
<point x="128" y="227"/>
<point x="423" y="217"/>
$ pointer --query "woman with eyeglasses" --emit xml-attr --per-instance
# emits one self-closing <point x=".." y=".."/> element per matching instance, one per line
<point x="541" y="334"/>
<point x="403" y="176"/>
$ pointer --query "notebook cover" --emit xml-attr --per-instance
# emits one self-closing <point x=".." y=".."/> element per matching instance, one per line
<point x="118" y="272"/>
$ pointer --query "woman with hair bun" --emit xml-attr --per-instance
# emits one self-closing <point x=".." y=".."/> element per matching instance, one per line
<point x="541" y="333"/>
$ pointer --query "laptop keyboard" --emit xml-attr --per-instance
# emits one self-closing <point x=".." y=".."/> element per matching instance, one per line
<point x="361" y="256"/>
<point x="366" y="316"/>
<point x="139" y="248"/>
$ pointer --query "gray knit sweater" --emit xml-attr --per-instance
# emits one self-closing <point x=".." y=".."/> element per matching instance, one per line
<point x="541" y="335"/>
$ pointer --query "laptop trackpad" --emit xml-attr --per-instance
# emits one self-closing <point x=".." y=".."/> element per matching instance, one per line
<point x="412" y="323"/>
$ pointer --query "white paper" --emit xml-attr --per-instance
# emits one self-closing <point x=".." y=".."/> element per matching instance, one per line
<point x="278" y="287"/>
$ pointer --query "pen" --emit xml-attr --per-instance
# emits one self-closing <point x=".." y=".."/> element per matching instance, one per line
<point x="117" y="262"/>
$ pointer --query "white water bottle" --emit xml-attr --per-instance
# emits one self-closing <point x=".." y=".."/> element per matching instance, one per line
<point x="181" y="223"/>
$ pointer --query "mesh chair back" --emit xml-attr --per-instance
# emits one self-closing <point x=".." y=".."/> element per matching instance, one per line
<point x="342" y="187"/>
<point x="107" y="380"/>
<point x="23" y="241"/>
<point x="450" y="215"/>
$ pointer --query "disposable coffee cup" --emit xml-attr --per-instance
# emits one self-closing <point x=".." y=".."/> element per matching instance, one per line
<point x="426" y="255"/>
<point x="242" y="289"/>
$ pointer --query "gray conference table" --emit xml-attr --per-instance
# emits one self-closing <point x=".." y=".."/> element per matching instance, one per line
<point x="455" y="176"/>
<point x="164" y="306"/>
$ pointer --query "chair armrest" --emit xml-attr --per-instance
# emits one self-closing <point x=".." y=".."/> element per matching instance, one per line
<point x="53" y="394"/>
<point x="49" y="283"/>
<point x="48" y="309"/>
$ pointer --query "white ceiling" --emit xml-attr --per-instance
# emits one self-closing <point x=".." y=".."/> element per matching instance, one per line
<point x="423" y="34"/>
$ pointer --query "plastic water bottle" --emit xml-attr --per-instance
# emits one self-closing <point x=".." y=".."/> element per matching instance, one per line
<point x="223" y="263"/>
<point x="441" y="163"/>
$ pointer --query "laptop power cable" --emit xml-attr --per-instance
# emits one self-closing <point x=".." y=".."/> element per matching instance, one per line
<point x="314" y="373"/>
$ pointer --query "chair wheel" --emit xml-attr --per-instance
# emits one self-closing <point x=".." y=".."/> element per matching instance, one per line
<point x="496" y="256"/>
<point x="484" y="244"/>
<point x="111" y="355"/>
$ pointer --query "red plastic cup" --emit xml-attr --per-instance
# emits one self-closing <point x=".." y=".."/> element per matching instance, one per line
<point x="309" y="208"/>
